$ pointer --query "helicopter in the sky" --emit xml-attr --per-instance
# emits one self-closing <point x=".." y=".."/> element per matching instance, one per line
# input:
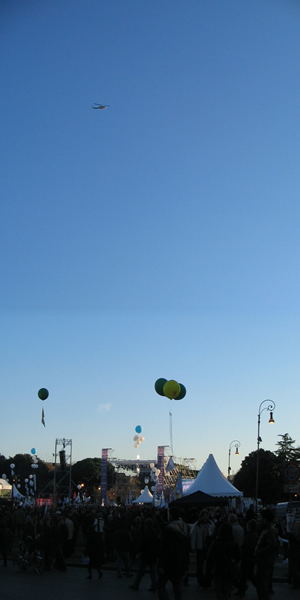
<point x="100" y="106"/>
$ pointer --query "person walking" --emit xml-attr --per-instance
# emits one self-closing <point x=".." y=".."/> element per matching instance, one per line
<point x="94" y="550"/>
<point x="201" y="536"/>
<point x="148" y="547"/>
<point x="222" y="560"/>
<point x="6" y="539"/>
<point x="60" y="534"/>
<point x="173" y="556"/>
<point x="19" y="520"/>
<point x="123" y="543"/>
<point x="247" y="560"/>
<point x="68" y="542"/>
<point x="238" y="531"/>
<point x="265" y="554"/>
<point x="294" y="555"/>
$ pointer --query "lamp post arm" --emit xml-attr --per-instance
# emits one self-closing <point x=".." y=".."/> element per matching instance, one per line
<point x="271" y="406"/>
<point x="257" y="461"/>
<point x="237" y="444"/>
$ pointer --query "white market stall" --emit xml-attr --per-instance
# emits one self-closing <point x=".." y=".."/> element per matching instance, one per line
<point x="7" y="491"/>
<point x="145" y="497"/>
<point x="211" y="481"/>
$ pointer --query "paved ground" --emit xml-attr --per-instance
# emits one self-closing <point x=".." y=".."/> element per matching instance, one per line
<point x="280" y="574"/>
<point x="73" y="585"/>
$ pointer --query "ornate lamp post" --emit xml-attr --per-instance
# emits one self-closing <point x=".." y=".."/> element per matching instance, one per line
<point x="12" y="466"/>
<point x="237" y="444"/>
<point x="271" y="406"/>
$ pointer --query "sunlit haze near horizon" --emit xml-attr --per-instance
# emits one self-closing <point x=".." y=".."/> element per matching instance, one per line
<point x="156" y="238"/>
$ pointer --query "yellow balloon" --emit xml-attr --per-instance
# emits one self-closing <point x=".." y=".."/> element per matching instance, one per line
<point x="171" y="389"/>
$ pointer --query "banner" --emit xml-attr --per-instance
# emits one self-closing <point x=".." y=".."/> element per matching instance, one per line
<point x="170" y="466"/>
<point x="104" y="476"/>
<point x="179" y="486"/>
<point x="290" y="519"/>
<point x="160" y="466"/>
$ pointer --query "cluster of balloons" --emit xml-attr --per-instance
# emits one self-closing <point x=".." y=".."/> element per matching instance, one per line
<point x="12" y="466"/>
<point x="171" y="389"/>
<point x="34" y="459"/>
<point x="154" y="474"/>
<point x="31" y="483"/>
<point x="138" y="438"/>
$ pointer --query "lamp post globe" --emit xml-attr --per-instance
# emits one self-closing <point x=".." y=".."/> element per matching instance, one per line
<point x="236" y="444"/>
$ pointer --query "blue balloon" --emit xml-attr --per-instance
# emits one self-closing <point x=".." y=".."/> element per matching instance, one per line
<point x="138" y="429"/>
<point x="33" y="450"/>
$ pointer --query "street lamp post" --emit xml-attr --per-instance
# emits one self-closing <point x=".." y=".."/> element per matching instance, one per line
<point x="271" y="406"/>
<point x="12" y="466"/>
<point x="237" y="444"/>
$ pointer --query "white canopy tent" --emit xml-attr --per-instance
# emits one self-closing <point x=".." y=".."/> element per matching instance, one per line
<point x="6" y="490"/>
<point x="211" y="480"/>
<point x="145" y="497"/>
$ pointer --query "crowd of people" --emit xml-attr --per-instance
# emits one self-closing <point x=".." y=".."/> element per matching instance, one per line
<point x="230" y="549"/>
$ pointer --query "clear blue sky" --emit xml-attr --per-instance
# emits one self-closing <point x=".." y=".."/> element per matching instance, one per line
<point x="157" y="238"/>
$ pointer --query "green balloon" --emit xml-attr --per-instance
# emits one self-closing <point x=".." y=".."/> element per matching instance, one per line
<point x="159" y="386"/>
<point x="182" y="392"/>
<point x="43" y="394"/>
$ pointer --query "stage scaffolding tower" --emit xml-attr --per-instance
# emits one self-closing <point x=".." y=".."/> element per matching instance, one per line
<point x="63" y="469"/>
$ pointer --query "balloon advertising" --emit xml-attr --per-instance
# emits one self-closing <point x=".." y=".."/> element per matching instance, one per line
<point x="170" y="389"/>
<point x="182" y="392"/>
<point x="159" y="386"/>
<point x="138" y="438"/>
<point x="43" y="395"/>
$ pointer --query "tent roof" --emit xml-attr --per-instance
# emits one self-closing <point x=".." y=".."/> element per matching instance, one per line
<point x="17" y="494"/>
<point x="211" y="480"/>
<point x="5" y="484"/>
<point x="145" y="497"/>
<point x="198" y="498"/>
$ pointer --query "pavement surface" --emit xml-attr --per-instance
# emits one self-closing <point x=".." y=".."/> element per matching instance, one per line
<point x="280" y="574"/>
<point x="72" y="584"/>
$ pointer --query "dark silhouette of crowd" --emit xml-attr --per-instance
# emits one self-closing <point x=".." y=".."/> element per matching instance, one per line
<point x="231" y="550"/>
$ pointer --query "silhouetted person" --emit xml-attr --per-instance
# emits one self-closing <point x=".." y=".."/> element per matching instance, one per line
<point x="265" y="554"/>
<point x="173" y="556"/>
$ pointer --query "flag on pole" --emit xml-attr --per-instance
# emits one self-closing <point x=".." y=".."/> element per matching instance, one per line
<point x="170" y="466"/>
<point x="179" y="486"/>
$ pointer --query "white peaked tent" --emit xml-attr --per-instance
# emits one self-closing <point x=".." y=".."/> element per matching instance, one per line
<point x="17" y="494"/>
<point x="211" y="480"/>
<point x="145" y="497"/>
<point x="5" y="490"/>
<point x="5" y="485"/>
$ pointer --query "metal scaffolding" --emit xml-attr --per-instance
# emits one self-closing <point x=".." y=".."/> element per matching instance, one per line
<point x="62" y="469"/>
